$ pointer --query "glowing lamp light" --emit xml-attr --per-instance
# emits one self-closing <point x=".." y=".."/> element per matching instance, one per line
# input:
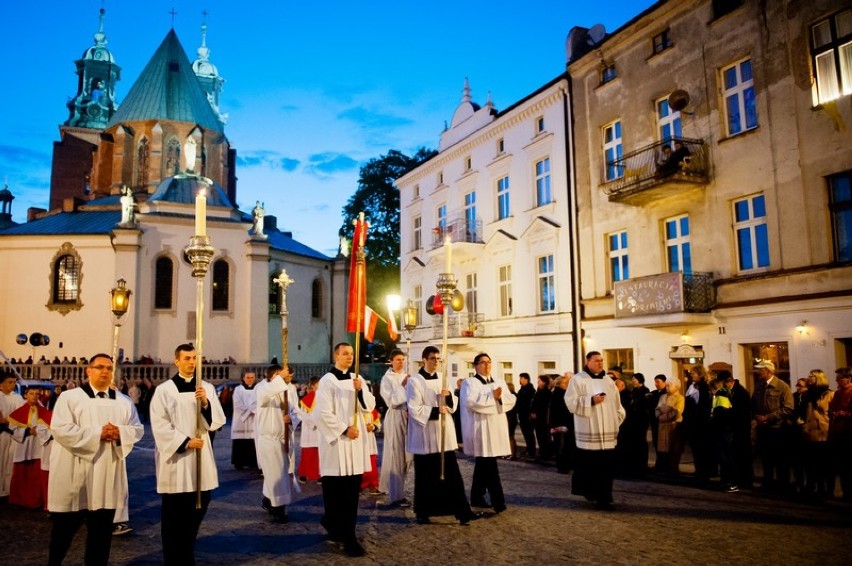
<point x="120" y="298"/>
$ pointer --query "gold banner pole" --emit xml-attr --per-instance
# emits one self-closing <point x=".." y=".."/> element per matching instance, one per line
<point x="446" y="286"/>
<point x="360" y="267"/>
<point x="284" y="281"/>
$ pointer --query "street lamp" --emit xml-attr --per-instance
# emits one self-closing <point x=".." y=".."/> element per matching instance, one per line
<point x="119" y="303"/>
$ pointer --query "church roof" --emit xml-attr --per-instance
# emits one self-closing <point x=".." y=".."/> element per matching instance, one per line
<point x="285" y="243"/>
<point x="167" y="89"/>
<point x="81" y="223"/>
<point x="183" y="188"/>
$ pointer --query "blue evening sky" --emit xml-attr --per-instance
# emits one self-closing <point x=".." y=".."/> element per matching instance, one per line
<point x="314" y="89"/>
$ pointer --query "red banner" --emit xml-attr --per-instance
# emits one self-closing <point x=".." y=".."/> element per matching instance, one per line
<point x="357" y="298"/>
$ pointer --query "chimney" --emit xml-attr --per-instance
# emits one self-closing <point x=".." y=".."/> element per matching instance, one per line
<point x="71" y="204"/>
<point x="33" y="213"/>
<point x="270" y="222"/>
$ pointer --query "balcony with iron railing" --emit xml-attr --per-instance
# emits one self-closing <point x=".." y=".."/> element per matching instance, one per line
<point x="650" y="173"/>
<point x="664" y="293"/>
<point x="460" y="228"/>
<point x="464" y="325"/>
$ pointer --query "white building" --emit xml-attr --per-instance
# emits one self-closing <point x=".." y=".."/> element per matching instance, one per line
<point x="743" y="250"/>
<point x="498" y="188"/>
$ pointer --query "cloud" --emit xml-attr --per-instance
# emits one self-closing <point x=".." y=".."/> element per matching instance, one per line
<point x="371" y="119"/>
<point x="328" y="163"/>
<point x="23" y="157"/>
<point x="267" y="158"/>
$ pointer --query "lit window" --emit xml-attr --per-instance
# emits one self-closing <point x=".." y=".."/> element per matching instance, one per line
<point x="505" y="290"/>
<point x="470" y="217"/>
<point x="678" y="250"/>
<point x="751" y="233"/>
<point x="417" y="293"/>
<point x="840" y="204"/>
<point x="164" y="283"/>
<point x="613" y="150"/>
<point x="619" y="265"/>
<point x="543" y="194"/>
<point x="503" y="198"/>
<point x="65" y="278"/>
<point x="831" y="52"/>
<point x="546" y="286"/>
<point x="441" y="213"/>
<point x="740" y="102"/>
<point x="471" y="295"/>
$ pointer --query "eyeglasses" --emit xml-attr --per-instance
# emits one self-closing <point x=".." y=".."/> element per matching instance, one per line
<point x="101" y="368"/>
<point x="482" y="362"/>
<point x="434" y="359"/>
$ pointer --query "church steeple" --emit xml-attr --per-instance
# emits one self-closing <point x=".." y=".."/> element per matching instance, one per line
<point x="97" y="73"/>
<point x="208" y="76"/>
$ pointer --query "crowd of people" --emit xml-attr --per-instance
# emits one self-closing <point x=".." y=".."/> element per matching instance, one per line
<point x="594" y="423"/>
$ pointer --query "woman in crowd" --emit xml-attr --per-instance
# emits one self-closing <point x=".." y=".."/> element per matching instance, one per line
<point x="669" y="413"/>
<point x="817" y="463"/>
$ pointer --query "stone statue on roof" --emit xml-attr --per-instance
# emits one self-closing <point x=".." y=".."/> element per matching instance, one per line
<point x="257" y="214"/>
<point x="127" y="206"/>
<point x="190" y="149"/>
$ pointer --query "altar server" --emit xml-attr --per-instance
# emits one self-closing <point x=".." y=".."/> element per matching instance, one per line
<point x="396" y="460"/>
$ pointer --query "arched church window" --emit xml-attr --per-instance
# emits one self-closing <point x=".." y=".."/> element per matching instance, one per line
<point x="164" y="276"/>
<point x="274" y="295"/>
<point x="204" y="160"/>
<point x="172" y="160"/>
<point x="221" y="285"/>
<point x="65" y="278"/>
<point x="317" y="298"/>
<point x="142" y="160"/>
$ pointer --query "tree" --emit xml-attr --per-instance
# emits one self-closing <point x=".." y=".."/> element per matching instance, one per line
<point x="378" y="199"/>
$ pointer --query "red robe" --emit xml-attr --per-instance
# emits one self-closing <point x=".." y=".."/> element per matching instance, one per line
<point x="29" y="481"/>
<point x="309" y="461"/>
<point x="371" y="479"/>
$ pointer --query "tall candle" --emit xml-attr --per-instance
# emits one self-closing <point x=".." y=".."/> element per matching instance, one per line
<point x="448" y="245"/>
<point x="201" y="213"/>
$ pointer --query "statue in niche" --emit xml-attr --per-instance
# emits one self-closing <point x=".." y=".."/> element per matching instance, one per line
<point x="257" y="214"/>
<point x="190" y="150"/>
<point x="127" y="206"/>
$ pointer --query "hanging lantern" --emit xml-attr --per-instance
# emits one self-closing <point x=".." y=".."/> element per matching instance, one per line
<point x="457" y="301"/>
<point x="438" y="305"/>
<point x="21" y="339"/>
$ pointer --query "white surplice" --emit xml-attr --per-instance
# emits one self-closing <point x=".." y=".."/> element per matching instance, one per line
<point x="485" y="429"/>
<point x="174" y="418"/>
<point x="334" y="412"/>
<point x="396" y="460"/>
<point x="87" y="473"/>
<point x="270" y="436"/>
<point x="245" y="407"/>
<point x="8" y="403"/>
<point x="424" y="435"/>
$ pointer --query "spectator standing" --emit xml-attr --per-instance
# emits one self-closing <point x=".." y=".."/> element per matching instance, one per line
<point x="561" y="423"/>
<point x="819" y="479"/>
<point x="722" y="427"/>
<point x="840" y="430"/>
<point x="539" y="417"/>
<point x="652" y="401"/>
<point x="772" y="405"/>
<point x="741" y="417"/>
<point x="523" y="406"/>
<point x="696" y="423"/>
<point x="669" y="413"/>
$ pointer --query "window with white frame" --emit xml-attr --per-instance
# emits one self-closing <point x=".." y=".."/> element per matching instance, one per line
<point x="417" y="294"/>
<point x="739" y="96"/>
<point x="661" y="41"/>
<point x="751" y="233"/>
<point x="668" y="122"/>
<point x="501" y="146"/>
<point x="470" y="217"/>
<point x="831" y="52"/>
<point x="619" y="265"/>
<point x="417" y="233"/>
<point x="441" y="214"/>
<point x="508" y="372"/>
<point x="678" y="249"/>
<point x="471" y="293"/>
<point x="505" y="288"/>
<point x="539" y="125"/>
<point x="612" y="150"/>
<point x="416" y="191"/>
<point x="840" y="205"/>
<point x="543" y="193"/>
<point x="503" y="198"/>
<point x="546" y="286"/>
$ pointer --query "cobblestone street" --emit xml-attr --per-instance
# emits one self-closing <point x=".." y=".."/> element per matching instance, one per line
<point x="654" y="522"/>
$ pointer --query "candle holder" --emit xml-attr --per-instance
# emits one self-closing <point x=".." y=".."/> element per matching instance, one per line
<point x="200" y="254"/>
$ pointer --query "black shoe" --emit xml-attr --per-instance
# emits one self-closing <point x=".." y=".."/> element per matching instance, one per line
<point x="354" y="548"/>
<point x="499" y="509"/>
<point x="266" y="504"/>
<point x="423" y="520"/>
<point x="480" y="503"/>
<point x="280" y="519"/>
<point x="473" y="516"/>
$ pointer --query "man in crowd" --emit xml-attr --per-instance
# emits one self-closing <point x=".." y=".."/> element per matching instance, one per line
<point x="179" y="434"/>
<point x="840" y="429"/>
<point x="593" y="399"/>
<point x="428" y="400"/>
<point x="653" y="401"/>
<point x="396" y="460"/>
<point x="524" y="398"/>
<point x="243" y="451"/>
<point x="771" y="405"/>
<point x="342" y="402"/>
<point x="9" y="401"/>
<point x="277" y="414"/>
<point x="94" y="429"/>
<point x="484" y="401"/>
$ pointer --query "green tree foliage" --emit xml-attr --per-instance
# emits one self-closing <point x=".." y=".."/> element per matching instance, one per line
<point x="378" y="199"/>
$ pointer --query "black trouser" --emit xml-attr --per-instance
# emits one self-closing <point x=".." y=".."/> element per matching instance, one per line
<point x="434" y="497"/>
<point x="340" y="504"/>
<point x="179" y="526"/>
<point x="98" y="537"/>
<point x="528" y="430"/>
<point x="593" y="475"/>
<point x="771" y="449"/>
<point x="486" y="477"/>
<point x="542" y="434"/>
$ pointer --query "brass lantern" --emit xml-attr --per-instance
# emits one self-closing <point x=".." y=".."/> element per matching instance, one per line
<point x="120" y="298"/>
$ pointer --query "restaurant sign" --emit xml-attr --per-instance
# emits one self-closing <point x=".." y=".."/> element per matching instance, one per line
<point x="655" y="294"/>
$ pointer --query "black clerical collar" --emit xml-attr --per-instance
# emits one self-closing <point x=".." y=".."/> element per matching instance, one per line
<point x="427" y="375"/>
<point x="594" y="375"/>
<point x="184" y="386"/>
<point x="87" y="387"/>
<point x="340" y="375"/>
<point x="484" y="380"/>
